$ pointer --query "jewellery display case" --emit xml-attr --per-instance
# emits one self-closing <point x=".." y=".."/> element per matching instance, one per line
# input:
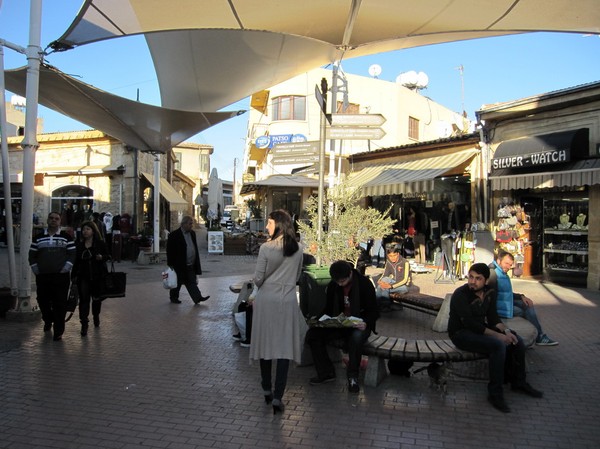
<point x="566" y="241"/>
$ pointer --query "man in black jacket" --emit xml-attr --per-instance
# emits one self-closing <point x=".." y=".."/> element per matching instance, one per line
<point x="352" y="294"/>
<point x="184" y="258"/>
<point x="474" y="326"/>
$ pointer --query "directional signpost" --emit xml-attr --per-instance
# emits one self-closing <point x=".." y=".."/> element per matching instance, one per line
<point x="354" y="133"/>
<point x="357" y="120"/>
<point x="295" y="153"/>
<point x="356" y="127"/>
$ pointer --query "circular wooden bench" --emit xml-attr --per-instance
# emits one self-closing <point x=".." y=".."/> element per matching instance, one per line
<point x="379" y="348"/>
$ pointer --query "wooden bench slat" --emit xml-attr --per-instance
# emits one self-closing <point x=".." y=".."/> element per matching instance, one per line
<point x="438" y="350"/>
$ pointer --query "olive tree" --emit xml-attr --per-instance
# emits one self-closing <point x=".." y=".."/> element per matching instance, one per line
<point x="345" y="224"/>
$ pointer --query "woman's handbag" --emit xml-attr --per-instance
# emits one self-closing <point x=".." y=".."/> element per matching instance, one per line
<point x="113" y="283"/>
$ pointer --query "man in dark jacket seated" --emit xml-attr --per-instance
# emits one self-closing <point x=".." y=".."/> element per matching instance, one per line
<point x="352" y="294"/>
<point x="474" y="326"/>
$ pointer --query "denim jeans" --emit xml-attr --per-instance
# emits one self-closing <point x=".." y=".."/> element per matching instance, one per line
<point x="502" y="358"/>
<point x="385" y="292"/>
<point x="318" y="337"/>
<point x="520" y="309"/>
<point x="281" y="373"/>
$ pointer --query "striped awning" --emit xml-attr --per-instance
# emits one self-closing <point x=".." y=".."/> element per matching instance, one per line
<point x="580" y="173"/>
<point x="415" y="176"/>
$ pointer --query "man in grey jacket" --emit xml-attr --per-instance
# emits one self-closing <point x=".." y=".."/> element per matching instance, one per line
<point x="51" y="257"/>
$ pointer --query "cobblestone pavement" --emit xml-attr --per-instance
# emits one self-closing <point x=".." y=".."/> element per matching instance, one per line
<point x="162" y="375"/>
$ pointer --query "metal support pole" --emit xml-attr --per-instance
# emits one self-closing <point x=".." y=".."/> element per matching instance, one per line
<point x="8" y="221"/>
<point x="334" y="86"/>
<point x="29" y="145"/>
<point x="321" y="170"/>
<point x="156" y="223"/>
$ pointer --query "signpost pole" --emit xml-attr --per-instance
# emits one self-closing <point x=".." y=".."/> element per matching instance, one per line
<point x="322" y="96"/>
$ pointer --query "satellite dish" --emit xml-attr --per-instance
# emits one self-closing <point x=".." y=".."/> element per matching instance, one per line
<point x="413" y="80"/>
<point x="422" y="80"/>
<point x="375" y="70"/>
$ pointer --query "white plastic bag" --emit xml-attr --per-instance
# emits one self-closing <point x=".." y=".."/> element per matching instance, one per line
<point x="240" y="322"/>
<point x="169" y="278"/>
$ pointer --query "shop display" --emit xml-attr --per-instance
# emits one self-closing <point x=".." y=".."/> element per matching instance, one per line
<point x="566" y="242"/>
<point x="512" y="234"/>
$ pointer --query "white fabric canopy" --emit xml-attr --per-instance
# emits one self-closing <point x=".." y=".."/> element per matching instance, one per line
<point x="281" y="181"/>
<point x="143" y="126"/>
<point x="211" y="53"/>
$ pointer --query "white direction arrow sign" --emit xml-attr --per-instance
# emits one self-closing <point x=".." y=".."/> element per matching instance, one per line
<point x="284" y="160"/>
<point x="354" y="133"/>
<point x="296" y="148"/>
<point x="357" y="119"/>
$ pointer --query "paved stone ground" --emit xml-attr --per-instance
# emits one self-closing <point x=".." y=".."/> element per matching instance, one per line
<point x="160" y="375"/>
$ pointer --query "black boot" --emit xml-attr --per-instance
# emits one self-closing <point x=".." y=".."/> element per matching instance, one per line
<point x="96" y="321"/>
<point x="84" y="328"/>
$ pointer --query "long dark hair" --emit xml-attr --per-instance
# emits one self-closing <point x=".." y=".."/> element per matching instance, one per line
<point x="285" y="228"/>
<point x="97" y="236"/>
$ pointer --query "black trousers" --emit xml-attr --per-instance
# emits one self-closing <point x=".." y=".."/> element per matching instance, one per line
<point x="318" y="338"/>
<point x="85" y="298"/>
<point x="52" y="293"/>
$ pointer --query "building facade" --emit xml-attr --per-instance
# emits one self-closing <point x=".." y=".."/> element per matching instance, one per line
<point x="290" y="113"/>
<point x="78" y="173"/>
<point x="545" y="182"/>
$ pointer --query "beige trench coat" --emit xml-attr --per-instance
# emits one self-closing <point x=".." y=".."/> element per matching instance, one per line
<point x="278" y="327"/>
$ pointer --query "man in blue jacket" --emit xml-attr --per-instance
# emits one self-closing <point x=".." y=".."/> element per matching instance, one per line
<point x="184" y="258"/>
<point x="512" y="304"/>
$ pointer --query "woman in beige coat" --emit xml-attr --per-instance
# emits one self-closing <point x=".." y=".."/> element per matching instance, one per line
<point x="276" y="323"/>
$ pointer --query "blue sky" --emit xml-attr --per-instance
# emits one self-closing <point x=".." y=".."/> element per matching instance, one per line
<point x="494" y="70"/>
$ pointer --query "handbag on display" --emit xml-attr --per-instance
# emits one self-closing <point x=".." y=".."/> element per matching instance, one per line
<point x="113" y="283"/>
<point x="72" y="300"/>
<point x="169" y="278"/>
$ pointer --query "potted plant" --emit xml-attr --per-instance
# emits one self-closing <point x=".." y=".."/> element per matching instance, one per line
<point x="346" y="225"/>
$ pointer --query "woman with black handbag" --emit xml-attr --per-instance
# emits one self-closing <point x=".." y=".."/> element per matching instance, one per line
<point x="88" y="272"/>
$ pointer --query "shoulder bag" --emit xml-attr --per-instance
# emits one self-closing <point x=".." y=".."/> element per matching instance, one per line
<point x="113" y="283"/>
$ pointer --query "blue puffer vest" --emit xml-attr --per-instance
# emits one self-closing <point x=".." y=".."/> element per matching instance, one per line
<point x="504" y="301"/>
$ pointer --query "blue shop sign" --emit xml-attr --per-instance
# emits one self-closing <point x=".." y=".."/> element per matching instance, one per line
<point x="276" y="139"/>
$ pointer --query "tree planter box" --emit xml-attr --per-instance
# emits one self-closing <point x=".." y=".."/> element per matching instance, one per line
<point x="235" y="245"/>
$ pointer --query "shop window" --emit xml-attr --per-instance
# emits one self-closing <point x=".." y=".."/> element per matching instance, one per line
<point x="413" y="128"/>
<point x="178" y="158"/>
<point x="74" y="203"/>
<point x="289" y="107"/>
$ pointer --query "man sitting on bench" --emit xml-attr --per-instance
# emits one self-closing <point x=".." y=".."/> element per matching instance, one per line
<point x="352" y="294"/>
<point x="395" y="277"/>
<point x="474" y="326"/>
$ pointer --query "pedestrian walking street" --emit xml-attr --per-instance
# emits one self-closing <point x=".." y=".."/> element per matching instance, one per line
<point x="169" y="376"/>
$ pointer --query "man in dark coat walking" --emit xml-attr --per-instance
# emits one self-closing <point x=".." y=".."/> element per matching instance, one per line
<point x="184" y="258"/>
